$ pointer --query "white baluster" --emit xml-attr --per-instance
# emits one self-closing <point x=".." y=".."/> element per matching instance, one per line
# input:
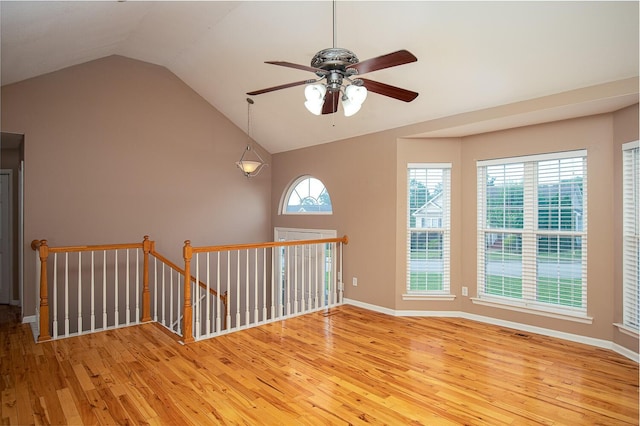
<point x="208" y="306"/>
<point x="315" y="292"/>
<point x="333" y="273"/>
<point x="295" y="279"/>
<point x="163" y="307"/>
<point x="115" y="312"/>
<point x="155" y="289"/>
<point x="340" y="281"/>
<point x="127" y="301"/>
<point x="196" y="297"/>
<point x="55" y="295"/>
<point x="217" y="329"/>
<point x="273" y="281"/>
<point x="247" y="319"/>
<point x="228" y="290"/>
<point x="288" y="292"/>
<point x="79" y="292"/>
<point x="302" y="278"/>
<point x="66" y="294"/>
<point x="93" y="292"/>
<point x="264" y="284"/>
<point x="137" y="285"/>
<point x="238" y="289"/>
<point x="104" y="289"/>
<point x="171" y="307"/>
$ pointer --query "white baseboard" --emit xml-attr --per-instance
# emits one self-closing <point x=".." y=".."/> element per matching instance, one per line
<point x="15" y="303"/>
<point x="28" y="319"/>
<point x="605" y="344"/>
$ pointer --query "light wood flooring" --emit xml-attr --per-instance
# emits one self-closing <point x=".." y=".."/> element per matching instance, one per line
<point x="347" y="366"/>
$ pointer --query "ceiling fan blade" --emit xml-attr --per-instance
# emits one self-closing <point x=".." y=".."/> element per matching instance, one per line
<point x="297" y="66"/>
<point x="282" y="86"/>
<point x="389" y="60"/>
<point x="331" y="102"/>
<point x="390" y="91"/>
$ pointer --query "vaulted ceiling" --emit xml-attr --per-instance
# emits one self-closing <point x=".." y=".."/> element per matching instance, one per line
<point x="471" y="55"/>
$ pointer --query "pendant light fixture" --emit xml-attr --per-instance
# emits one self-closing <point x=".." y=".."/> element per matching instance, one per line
<point x="250" y="163"/>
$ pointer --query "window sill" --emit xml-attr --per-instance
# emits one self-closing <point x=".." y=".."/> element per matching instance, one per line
<point x="627" y="330"/>
<point x="427" y="296"/>
<point x="514" y="306"/>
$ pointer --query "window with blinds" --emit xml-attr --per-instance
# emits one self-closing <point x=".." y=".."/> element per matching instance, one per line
<point x="631" y="235"/>
<point x="428" y="228"/>
<point x="532" y="240"/>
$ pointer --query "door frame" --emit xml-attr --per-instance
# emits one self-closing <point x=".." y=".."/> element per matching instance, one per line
<point x="9" y="173"/>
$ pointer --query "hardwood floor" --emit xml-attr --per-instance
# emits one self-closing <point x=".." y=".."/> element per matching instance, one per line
<point x="347" y="366"/>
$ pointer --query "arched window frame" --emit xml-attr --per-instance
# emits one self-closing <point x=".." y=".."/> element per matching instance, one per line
<point x="292" y="188"/>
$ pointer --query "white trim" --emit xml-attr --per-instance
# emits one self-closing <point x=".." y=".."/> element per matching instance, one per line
<point x="630" y="145"/>
<point x="563" y="315"/>
<point x="600" y="343"/>
<point x="427" y="296"/>
<point x="28" y="319"/>
<point x="627" y="330"/>
<point x="534" y="157"/>
<point x="625" y="352"/>
<point x="368" y="306"/>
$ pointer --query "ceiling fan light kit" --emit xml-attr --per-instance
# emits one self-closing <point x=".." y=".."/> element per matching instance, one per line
<point x="336" y="70"/>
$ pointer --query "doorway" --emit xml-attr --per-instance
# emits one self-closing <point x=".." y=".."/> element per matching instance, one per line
<point x="6" y="264"/>
<point x="11" y="219"/>
<point x="316" y="262"/>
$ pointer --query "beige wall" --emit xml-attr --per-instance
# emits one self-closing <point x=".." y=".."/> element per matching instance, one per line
<point x="373" y="212"/>
<point x="116" y="149"/>
<point x="360" y="177"/>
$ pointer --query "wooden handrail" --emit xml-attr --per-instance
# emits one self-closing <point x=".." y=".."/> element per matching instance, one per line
<point x="343" y="240"/>
<point x="193" y="279"/>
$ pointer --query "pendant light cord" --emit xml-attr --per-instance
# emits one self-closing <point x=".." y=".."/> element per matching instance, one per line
<point x="249" y="103"/>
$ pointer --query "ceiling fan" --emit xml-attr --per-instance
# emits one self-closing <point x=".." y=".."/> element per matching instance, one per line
<point x="337" y="71"/>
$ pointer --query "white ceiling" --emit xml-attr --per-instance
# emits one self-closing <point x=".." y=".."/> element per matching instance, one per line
<point x="471" y="55"/>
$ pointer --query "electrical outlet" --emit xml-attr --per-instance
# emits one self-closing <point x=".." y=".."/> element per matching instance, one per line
<point x="355" y="282"/>
<point x="465" y="291"/>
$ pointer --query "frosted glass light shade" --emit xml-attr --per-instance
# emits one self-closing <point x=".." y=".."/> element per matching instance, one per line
<point x="248" y="166"/>
<point x="356" y="94"/>
<point x="314" y="93"/>
<point x="349" y="107"/>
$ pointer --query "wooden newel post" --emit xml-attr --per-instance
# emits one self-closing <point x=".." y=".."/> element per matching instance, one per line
<point x="44" y="293"/>
<point x="187" y="314"/>
<point x="146" y="295"/>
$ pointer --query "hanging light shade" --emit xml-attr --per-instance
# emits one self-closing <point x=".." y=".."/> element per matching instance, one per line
<point x="250" y="163"/>
<point x="314" y="93"/>
<point x="353" y="98"/>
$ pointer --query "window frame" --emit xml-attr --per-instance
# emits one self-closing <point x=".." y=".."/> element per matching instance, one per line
<point x="444" y="230"/>
<point x="630" y="239"/>
<point x="292" y="187"/>
<point x="530" y="232"/>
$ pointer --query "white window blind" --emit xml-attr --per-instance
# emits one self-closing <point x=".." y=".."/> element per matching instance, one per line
<point x="631" y="235"/>
<point x="532" y="236"/>
<point x="428" y="228"/>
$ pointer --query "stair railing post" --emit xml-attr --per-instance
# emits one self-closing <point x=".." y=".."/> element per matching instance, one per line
<point x="146" y="294"/>
<point x="187" y="314"/>
<point x="44" y="293"/>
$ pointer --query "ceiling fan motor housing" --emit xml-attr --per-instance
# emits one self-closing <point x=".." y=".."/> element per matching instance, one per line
<point x="334" y="58"/>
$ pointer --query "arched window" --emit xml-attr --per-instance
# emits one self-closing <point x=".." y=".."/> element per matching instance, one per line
<point x="307" y="195"/>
